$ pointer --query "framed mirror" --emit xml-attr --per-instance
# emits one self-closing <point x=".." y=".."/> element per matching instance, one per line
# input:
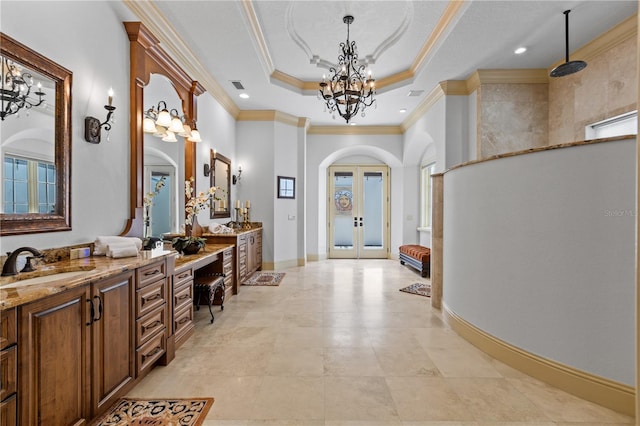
<point x="35" y="142"/>
<point x="220" y="176"/>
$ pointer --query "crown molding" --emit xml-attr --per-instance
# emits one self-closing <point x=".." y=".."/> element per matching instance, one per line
<point x="269" y="115"/>
<point x="622" y="32"/>
<point x="445" y="20"/>
<point x="155" y="21"/>
<point x="258" y="36"/>
<point x="355" y="130"/>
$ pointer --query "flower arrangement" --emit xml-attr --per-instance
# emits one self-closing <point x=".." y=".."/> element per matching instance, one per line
<point x="194" y="205"/>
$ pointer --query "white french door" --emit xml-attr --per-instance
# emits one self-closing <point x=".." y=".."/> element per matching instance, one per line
<point x="358" y="205"/>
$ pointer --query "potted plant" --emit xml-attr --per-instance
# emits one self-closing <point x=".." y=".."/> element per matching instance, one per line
<point x="190" y="244"/>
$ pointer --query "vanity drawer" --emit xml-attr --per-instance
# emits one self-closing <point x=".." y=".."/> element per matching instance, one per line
<point x="182" y="320"/>
<point x="150" y="297"/>
<point x="147" y="275"/>
<point x="149" y="325"/>
<point x="8" y="372"/>
<point x="8" y="328"/>
<point x="182" y="277"/>
<point x="9" y="411"/>
<point x="150" y="352"/>
<point x="183" y="295"/>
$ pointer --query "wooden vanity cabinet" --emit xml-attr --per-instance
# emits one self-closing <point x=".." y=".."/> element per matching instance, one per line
<point x="182" y="300"/>
<point x="151" y="315"/>
<point x="248" y="253"/>
<point x="8" y="367"/>
<point x="76" y="352"/>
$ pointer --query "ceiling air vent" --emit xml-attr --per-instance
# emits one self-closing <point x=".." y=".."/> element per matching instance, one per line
<point x="238" y="85"/>
<point x="415" y="92"/>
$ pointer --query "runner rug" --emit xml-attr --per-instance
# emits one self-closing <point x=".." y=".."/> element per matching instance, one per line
<point x="156" y="412"/>
<point x="264" y="278"/>
<point x="422" y="289"/>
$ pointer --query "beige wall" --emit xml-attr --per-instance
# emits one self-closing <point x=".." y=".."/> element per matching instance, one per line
<point x="511" y="117"/>
<point x="606" y="88"/>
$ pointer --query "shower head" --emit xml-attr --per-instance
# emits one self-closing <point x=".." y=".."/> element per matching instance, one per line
<point x="569" y="67"/>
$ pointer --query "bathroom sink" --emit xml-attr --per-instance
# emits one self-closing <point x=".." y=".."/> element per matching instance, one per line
<point x="51" y="277"/>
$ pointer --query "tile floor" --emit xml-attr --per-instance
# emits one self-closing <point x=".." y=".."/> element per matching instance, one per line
<point x="337" y="344"/>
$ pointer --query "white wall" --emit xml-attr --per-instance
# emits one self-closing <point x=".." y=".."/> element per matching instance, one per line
<point x="218" y="131"/>
<point x="255" y="147"/>
<point x="539" y="252"/>
<point x="285" y="211"/>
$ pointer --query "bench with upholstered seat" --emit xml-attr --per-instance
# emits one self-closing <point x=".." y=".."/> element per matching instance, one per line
<point x="416" y="256"/>
<point x="210" y="287"/>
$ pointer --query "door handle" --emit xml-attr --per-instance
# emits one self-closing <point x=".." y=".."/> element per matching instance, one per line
<point x="360" y="221"/>
<point x="355" y="222"/>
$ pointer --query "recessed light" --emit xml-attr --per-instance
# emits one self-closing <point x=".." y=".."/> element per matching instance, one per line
<point x="520" y="50"/>
<point x="244" y="96"/>
<point x="403" y="110"/>
<point x="353" y="124"/>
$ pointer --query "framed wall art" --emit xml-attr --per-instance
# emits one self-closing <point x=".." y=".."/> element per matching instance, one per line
<point x="286" y="187"/>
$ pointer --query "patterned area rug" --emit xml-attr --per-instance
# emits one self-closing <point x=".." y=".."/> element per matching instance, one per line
<point x="264" y="278"/>
<point x="156" y="412"/>
<point x="422" y="289"/>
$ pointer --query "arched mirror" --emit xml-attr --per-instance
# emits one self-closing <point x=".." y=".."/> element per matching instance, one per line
<point x="155" y="77"/>
<point x="35" y="143"/>
<point x="220" y="177"/>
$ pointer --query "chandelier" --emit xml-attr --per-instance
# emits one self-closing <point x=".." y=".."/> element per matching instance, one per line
<point x="348" y="89"/>
<point x="166" y="124"/>
<point x="15" y="89"/>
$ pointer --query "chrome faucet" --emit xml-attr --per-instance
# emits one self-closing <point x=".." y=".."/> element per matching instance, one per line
<point x="9" y="267"/>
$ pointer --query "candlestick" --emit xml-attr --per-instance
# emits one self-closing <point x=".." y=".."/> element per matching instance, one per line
<point x="247" y="204"/>
<point x="237" y="204"/>
<point x="110" y="93"/>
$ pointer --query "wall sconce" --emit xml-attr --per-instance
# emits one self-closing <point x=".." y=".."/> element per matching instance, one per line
<point x="236" y="178"/>
<point x="93" y="126"/>
<point x="207" y="169"/>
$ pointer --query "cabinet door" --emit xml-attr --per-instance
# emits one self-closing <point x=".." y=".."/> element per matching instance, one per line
<point x="113" y="344"/>
<point x="54" y="342"/>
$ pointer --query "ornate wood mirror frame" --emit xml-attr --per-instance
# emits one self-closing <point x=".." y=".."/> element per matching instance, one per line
<point x="220" y="177"/>
<point x="60" y="219"/>
<point x="146" y="58"/>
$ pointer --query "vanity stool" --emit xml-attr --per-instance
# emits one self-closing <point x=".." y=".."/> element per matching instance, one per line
<point x="210" y="286"/>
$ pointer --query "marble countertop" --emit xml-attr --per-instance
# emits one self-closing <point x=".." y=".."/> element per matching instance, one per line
<point x="22" y="288"/>
<point x="52" y="278"/>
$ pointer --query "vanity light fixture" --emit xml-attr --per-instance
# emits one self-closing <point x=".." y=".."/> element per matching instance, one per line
<point x="236" y="178"/>
<point x="93" y="126"/>
<point x="161" y="121"/>
<point x="195" y="134"/>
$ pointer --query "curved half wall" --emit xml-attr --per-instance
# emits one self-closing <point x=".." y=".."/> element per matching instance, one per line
<point x="539" y="255"/>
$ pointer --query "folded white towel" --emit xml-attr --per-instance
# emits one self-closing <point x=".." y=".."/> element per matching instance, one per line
<point x="101" y="244"/>
<point x="124" y="252"/>
<point x="218" y="228"/>
<point x="118" y="246"/>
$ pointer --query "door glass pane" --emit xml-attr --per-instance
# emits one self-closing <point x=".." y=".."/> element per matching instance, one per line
<point x="373" y="204"/>
<point x="343" y="210"/>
